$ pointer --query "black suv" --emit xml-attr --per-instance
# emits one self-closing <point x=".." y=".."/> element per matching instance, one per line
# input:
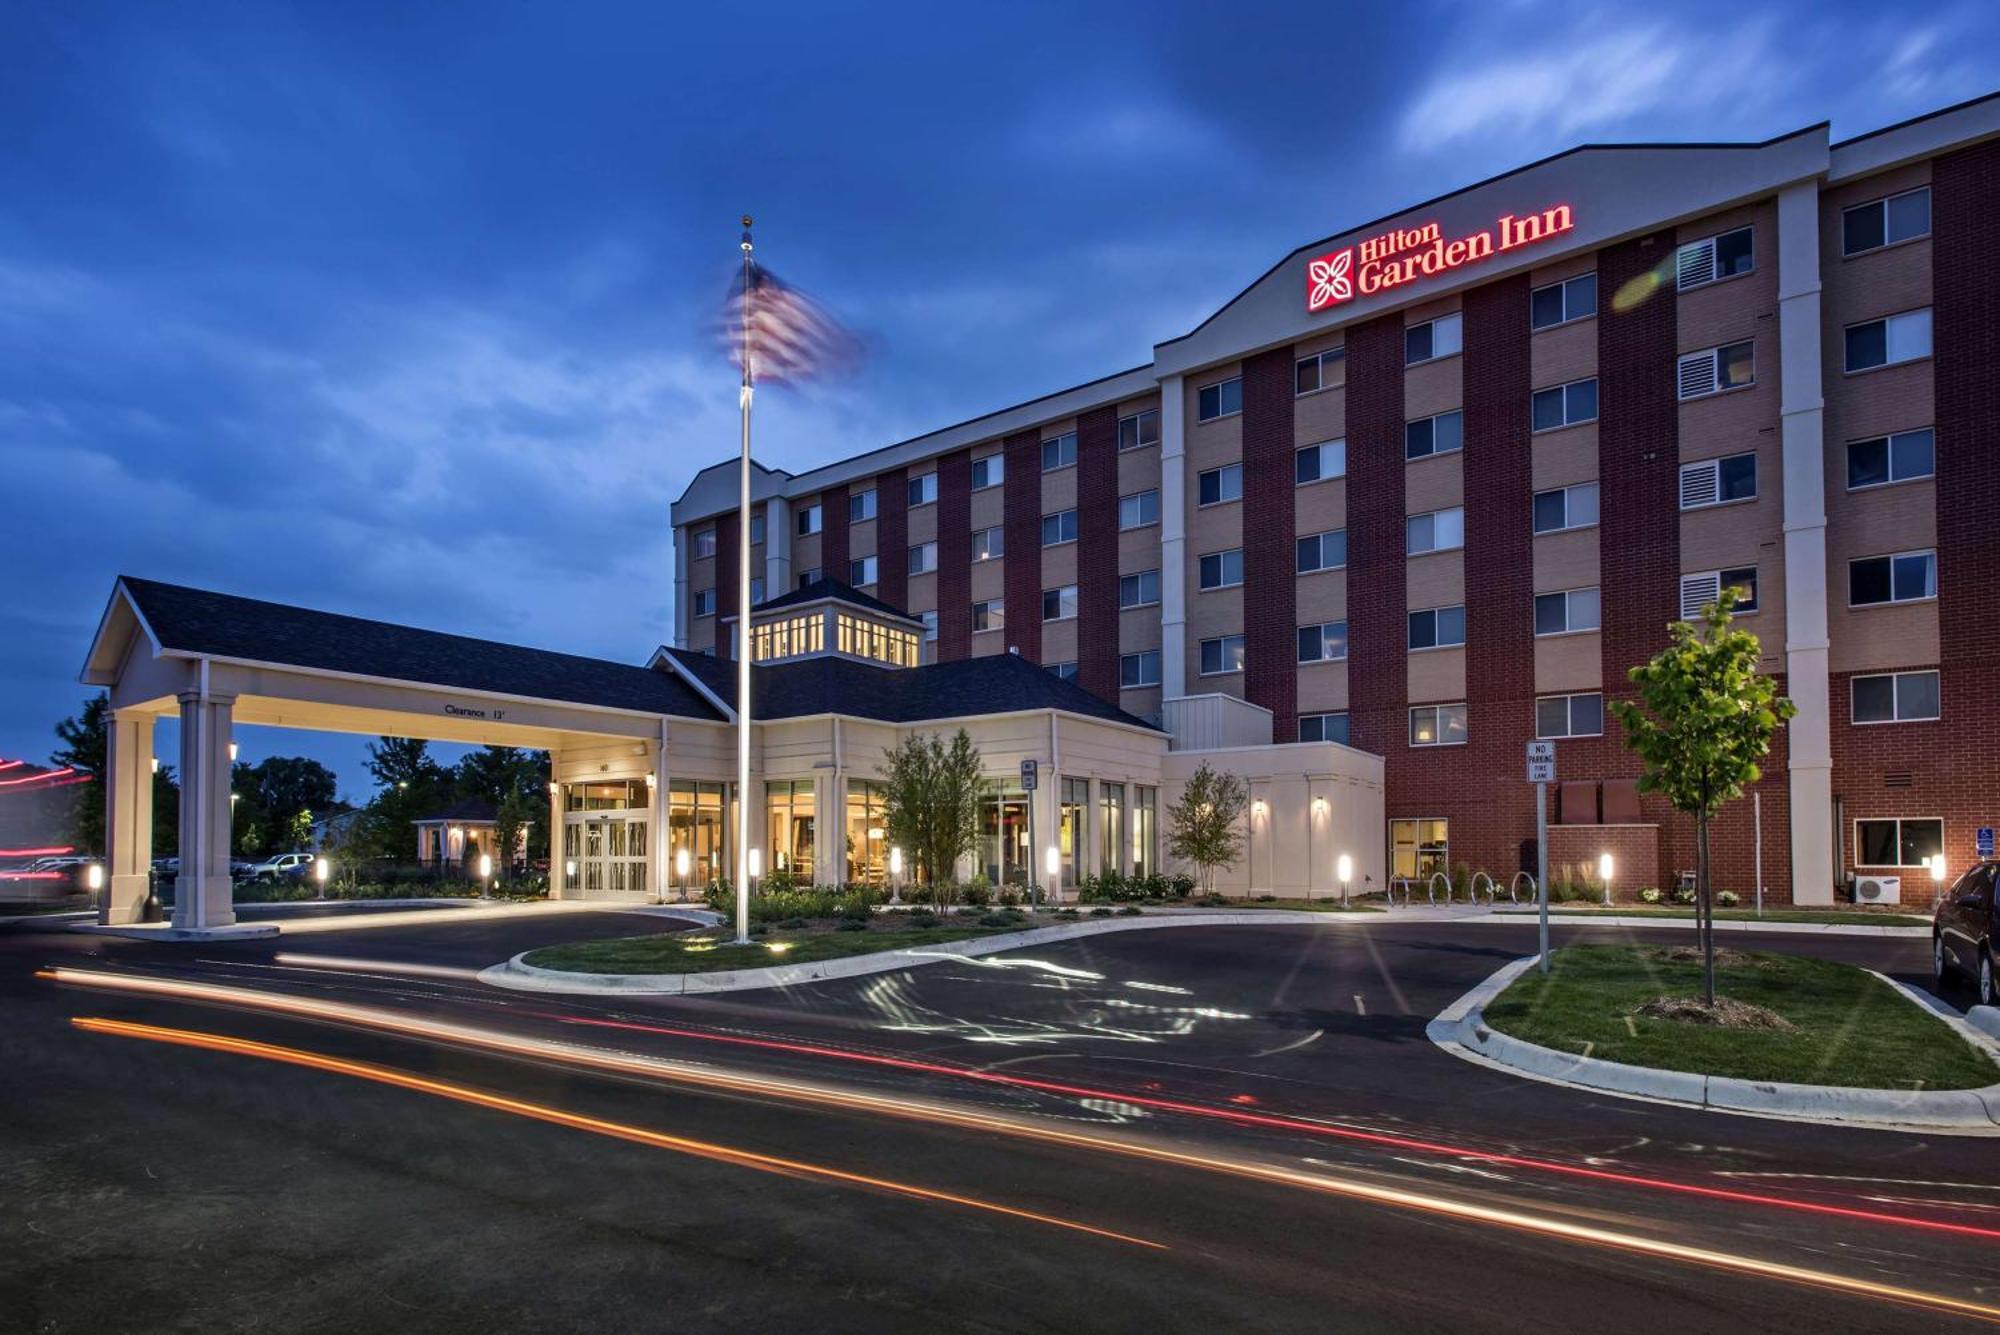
<point x="1962" y="935"/>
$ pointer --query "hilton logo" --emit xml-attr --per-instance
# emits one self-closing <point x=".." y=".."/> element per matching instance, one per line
<point x="1405" y="254"/>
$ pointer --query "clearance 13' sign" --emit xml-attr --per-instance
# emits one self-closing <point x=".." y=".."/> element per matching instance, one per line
<point x="1405" y="254"/>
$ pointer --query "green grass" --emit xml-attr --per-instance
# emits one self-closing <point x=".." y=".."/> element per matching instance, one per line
<point x="1852" y="1029"/>
<point x="714" y="952"/>
<point x="1832" y="916"/>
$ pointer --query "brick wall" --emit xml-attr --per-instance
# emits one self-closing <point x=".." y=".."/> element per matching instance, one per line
<point x="1634" y="850"/>
<point x="725" y="578"/>
<point x="954" y="540"/>
<point x="833" y="535"/>
<point x="1377" y="680"/>
<point x="1023" y="524"/>
<point x="1096" y="552"/>
<point x="892" y="538"/>
<point x="1270" y="603"/>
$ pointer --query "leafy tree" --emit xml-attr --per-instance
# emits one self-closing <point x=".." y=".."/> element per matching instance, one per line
<point x="404" y="762"/>
<point x="85" y="746"/>
<point x="1708" y="718"/>
<point x="512" y="816"/>
<point x="931" y="795"/>
<point x="1201" y="827"/>
<point x="409" y="786"/>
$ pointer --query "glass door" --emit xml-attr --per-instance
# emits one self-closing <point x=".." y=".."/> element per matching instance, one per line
<point x="1004" y="853"/>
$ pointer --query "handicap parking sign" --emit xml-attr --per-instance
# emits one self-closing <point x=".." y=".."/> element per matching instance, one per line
<point x="1984" y="839"/>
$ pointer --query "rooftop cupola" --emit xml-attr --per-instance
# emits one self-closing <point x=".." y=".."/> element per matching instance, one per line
<point x="827" y="618"/>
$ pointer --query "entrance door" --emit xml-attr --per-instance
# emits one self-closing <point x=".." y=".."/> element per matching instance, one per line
<point x="610" y="852"/>
<point x="1005" y="856"/>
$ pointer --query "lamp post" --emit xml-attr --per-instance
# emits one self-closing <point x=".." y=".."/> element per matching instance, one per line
<point x="1052" y="860"/>
<point x="1343" y="870"/>
<point x="1936" y="863"/>
<point x="485" y="872"/>
<point x="755" y="872"/>
<point x="896" y="875"/>
<point x="93" y="879"/>
<point x="1604" y="874"/>
<point x="682" y="863"/>
<point x="321" y="868"/>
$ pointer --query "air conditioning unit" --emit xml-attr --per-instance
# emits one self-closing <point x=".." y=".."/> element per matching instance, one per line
<point x="1878" y="890"/>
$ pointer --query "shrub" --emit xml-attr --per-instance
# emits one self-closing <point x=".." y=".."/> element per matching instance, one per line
<point x="976" y="895"/>
<point x="1009" y="897"/>
<point x="1683" y="894"/>
<point x="1649" y="894"/>
<point x="1130" y="911"/>
<point x="851" y="925"/>
<point x="923" y="918"/>
<point x="1267" y="899"/>
<point x="1070" y="914"/>
<point x="1213" y="901"/>
<point x="1100" y="913"/>
<point x="1727" y="899"/>
<point x="1002" y="918"/>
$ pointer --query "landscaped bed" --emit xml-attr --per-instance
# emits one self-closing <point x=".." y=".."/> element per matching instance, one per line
<point x="713" y="950"/>
<point x="1849" y="1028"/>
<point x="1831" y="917"/>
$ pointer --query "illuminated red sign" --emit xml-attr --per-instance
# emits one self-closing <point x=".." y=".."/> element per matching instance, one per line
<point x="1405" y="254"/>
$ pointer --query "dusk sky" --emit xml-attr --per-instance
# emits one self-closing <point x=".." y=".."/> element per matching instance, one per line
<point x="401" y="310"/>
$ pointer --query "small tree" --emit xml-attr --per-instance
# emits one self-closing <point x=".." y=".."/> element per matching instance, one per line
<point x="931" y="794"/>
<point x="1708" y="718"/>
<point x="510" y="819"/>
<point x="1201" y="827"/>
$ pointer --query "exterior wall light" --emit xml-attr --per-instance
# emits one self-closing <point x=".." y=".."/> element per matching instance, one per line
<point x="1343" y="871"/>
<point x="1604" y="874"/>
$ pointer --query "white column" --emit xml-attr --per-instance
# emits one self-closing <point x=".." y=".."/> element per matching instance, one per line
<point x="128" y="816"/>
<point x="661" y="834"/>
<point x="203" y="895"/>
<point x="1804" y="450"/>
<point x="777" y="547"/>
<point x="558" y="877"/>
<point x="680" y="593"/>
<point x="1173" y="538"/>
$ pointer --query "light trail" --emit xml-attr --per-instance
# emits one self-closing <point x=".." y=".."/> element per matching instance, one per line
<point x="50" y="852"/>
<point x="342" y="964"/>
<point x="700" y="1149"/>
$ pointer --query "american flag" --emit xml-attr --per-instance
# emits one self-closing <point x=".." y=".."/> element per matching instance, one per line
<point x="791" y="336"/>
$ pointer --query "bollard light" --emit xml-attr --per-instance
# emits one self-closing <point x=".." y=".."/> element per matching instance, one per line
<point x="1053" y="861"/>
<point x="485" y="866"/>
<point x="1343" y="870"/>
<point x="1936" y="863"/>
<point x="895" y="875"/>
<point x="682" y="863"/>
<point x="321" y="869"/>
<point x="1604" y="875"/>
<point x="569" y="869"/>
<point x="94" y="878"/>
<point x="895" y="862"/>
<point x="756" y="863"/>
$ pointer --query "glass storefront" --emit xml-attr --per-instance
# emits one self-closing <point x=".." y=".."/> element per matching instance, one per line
<point x="1419" y="848"/>
<point x="1111" y="826"/>
<point x="1145" y="804"/>
<point x="1005" y="857"/>
<point x="698" y="825"/>
<point x="789" y="823"/>
<point x="606" y="836"/>
<point x="1075" y="808"/>
<point x="867" y="834"/>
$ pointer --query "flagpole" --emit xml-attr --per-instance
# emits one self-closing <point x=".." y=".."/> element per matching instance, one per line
<point x="743" y="621"/>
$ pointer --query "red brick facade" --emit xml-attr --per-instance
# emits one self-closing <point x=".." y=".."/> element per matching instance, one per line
<point x="892" y="538"/>
<point x="954" y="543"/>
<point x="1023" y="525"/>
<point x="833" y="536"/>
<point x="1377" y="629"/>
<point x="1096" y="552"/>
<point x="1270" y="618"/>
<point x="726" y="529"/>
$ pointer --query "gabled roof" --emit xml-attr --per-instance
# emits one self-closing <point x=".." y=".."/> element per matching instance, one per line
<point x="838" y="590"/>
<point x="465" y="811"/>
<point x="198" y="623"/>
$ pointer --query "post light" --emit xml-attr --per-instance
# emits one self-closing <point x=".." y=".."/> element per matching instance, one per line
<point x="1604" y="874"/>
<point x="1936" y="863"/>
<point x="682" y="863"/>
<point x="232" y="753"/>
<point x="1343" y="870"/>
<point x="485" y="867"/>
<point x="1052" y="860"/>
<point x="94" y="878"/>
<point x="569" y="869"/>
<point x="756" y="863"/>
<point x="895" y="875"/>
<point x="321" y="869"/>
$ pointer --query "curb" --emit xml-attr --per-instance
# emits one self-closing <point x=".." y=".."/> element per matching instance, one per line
<point x="1986" y="1019"/>
<point x="1723" y="925"/>
<point x="1461" y="1030"/>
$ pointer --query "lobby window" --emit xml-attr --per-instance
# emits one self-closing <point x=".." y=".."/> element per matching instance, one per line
<point x="1895" y="697"/>
<point x="789" y="818"/>
<point x="1322" y="370"/>
<point x="1222" y="399"/>
<point x="1110" y="826"/>
<point x="990" y="614"/>
<point x="704" y="543"/>
<point x="923" y="558"/>
<point x="1906" y="577"/>
<point x="1058" y="528"/>
<point x="809" y="520"/>
<point x="1426" y="342"/>
<point x="861" y="571"/>
<point x="1222" y="654"/>
<point x="1559" y="303"/>
<point x="1322" y="551"/>
<point x="930" y="620"/>
<point x="1884" y="459"/>
<point x="1438" y="531"/>
<point x="1719" y="481"/>
<point x="1140" y="669"/>
<point x="1897" y="843"/>
<point x="1324" y="643"/>
<point x="1564" y="405"/>
<point x="867" y="833"/>
<point x="1886" y="342"/>
<point x="1145" y="809"/>
<point x="1704" y="587"/>
<point x="1075" y="810"/>
<point x="1139" y="509"/>
<point x="989" y="471"/>
<point x="1064" y="671"/>
<point x="1710" y="259"/>
<point x="757" y="528"/>
<point x="1323" y="728"/>
<point x="704" y="603"/>
<point x="1059" y="604"/>
<point x="923" y="490"/>
<point x="860" y="506"/>
<point x="1884" y="222"/>
<point x="810" y="575"/>
<point x="1437" y="627"/>
<point x="1443" y="434"/>
<point x="1317" y="463"/>
<point x="1713" y="370"/>
<point x="1139" y="590"/>
<point x="1219" y="484"/>
<point x="1059" y="452"/>
<point x="1437" y="725"/>
<point x="1567" y="611"/>
<point x="1222" y="570"/>
<point x="1570" y="715"/>
<point x="1419" y="848"/>
<point x="989" y="544"/>
<point x="1141" y="428"/>
<point x="1566" y="508"/>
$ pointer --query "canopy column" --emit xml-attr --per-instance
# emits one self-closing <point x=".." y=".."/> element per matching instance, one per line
<point x="558" y="837"/>
<point x="203" y="895"/>
<point x="128" y="816"/>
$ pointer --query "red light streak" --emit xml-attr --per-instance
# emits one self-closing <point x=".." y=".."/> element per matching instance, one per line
<point x="35" y="852"/>
<point x="44" y="777"/>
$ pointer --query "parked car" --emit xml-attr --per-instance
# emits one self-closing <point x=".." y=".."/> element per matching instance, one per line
<point x="1962" y="935"/>
<point x="283" y="867"/>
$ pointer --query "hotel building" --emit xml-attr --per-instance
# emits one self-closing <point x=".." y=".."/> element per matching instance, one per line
<point x="1429" y="487"/>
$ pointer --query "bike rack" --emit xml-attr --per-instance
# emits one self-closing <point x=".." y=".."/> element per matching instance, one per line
<point x="1395" y="881"/>
<point x="1431" y="888"/>
<point x="1492" y="890"/>
<point x="1514" y="886"/>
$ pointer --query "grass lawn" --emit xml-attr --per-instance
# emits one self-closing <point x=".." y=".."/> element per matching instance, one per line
<point x="712" y="951"/>
<point x="1832" y="916"/>
<point x="1852" y="1028"/>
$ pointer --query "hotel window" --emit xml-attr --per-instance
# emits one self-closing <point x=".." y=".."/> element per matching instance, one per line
<point x="1145" y="805"/>
<point x="861" y="571"/>
<point x="1898" y="338"/>
<point x="867" y="833"/>
<point x="1559" y="303"/>
<point x="1059" y="604"/>
<point x="1443" y="434"/>
<point x="1222" y="399"/>
<point x="789" y="819"/>
<point x="704" y="603"/>
<point x="1906" y="577"/>
<point x="1324" y="643"/>
<point x="1570" y="715"/>
<point x="1110" y="826"/>
<point x="1222" y="570"/>
<point x="1566" y="508"/>
<point x="990" y="614"/>
<point x="869" y="639"/>
<point x="1719" y="481"/>
<point x="1059" y="452"/>
<point x="1569" y="610"/>
<point x="1442" y="337"/>
<point x="809" y="520"/>
<point x="1075" y="810"/>
<point x="1139" y="509"/>
<point x="1062" y="671"/>
<point x="1323" y="728"/>
<point x="1140" y="669"/>
<point x="1884" y="222"/>
<point x="1702" y="262"/>
<point x="810" y="575"/>
<point x="1322" y="551"/>
<point x="1565" y="405"/>
<point x="756" y="591"/>
<point x="860" y="506"/>
<point x="1322" y="370"/>
<point x="989" y="544"/>
<point x="1895" y="697"/>
<point x="1058" y="528"/>
<point x="989" y="471"/>
<point x="1419" y="848"/>
<point x="930" y="620"/>
<point x="1220" y="484"/>
<point x="1897" y="843"/>
<point x="1437" y="725"/>
<point x="1437" y="627"/>
<point x="1438" y="531"/>
<point x="1139" y="590"/>
<point x="923" y="489"/>
<point x="1141" y="428"/>
<point x="923" y="558"/>
<point x="1704" y="587"/>
<point x="1713" y="370"/>
<point x="756" y="528"/>
<point x="1317" y="463"/>
<point x="1222" y="654"/>
<point x="704" y="543"/>
<point x="1885" y="459"/>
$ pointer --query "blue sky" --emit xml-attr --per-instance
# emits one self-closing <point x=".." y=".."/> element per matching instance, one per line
<point x="399" y="310"/>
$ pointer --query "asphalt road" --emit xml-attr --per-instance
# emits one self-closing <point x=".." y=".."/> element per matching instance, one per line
<point x="1252" y="1133"/>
